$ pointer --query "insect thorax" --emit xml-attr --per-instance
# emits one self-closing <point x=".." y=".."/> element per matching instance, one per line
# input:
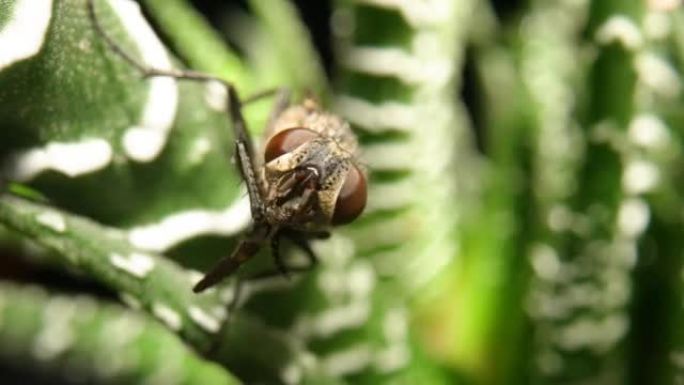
<point x="309" y="115"/>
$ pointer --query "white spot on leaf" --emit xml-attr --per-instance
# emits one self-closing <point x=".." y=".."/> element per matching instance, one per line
<point x="216" y="95"/>
<point x="361" y="280"/>
<point x="620" y="29"/>
<point x="334" y="320"/>
<point x="200" y="148"/>
<point x="184" y="225"/>
<point x="24" y="33"/>
<point x="640" y="176"/>
<point x="167" y="315"/>
<point x="145" y="141"/>
<point x="57" y="334"/>
<point x="587" y="332"/>
<point x="633" y="217"/>
<point x="291" y="374"/>
<point x="399" y="63"/>
<point x="204" y="319"/>
<point x="395" y="325"/>
<point x="392" y="358"/>
<point x="560" y="218"/>
<point x="377" y="117"/>
<point x="52" y="220"/>
<point x="351" y="360"/>
<point x="658" y="74"/>
<point x="195" y="276"/>
<point x="130" y="300"/>
<point x="545" y="262"/>
<point x="143" y="144"/>
<point x="72" y="159"/>
<point x="649" y="131"/>
<point x="136" y="264"/>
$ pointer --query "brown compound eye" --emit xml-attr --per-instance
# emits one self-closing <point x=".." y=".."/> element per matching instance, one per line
<point x="352" y="198"/>
<point x="286" y="141"/>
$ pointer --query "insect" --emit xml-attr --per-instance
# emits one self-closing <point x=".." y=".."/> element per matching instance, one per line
<point x="305" y="180"/>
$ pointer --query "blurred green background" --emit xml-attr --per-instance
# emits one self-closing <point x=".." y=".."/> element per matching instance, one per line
<point x="525" y="214"/>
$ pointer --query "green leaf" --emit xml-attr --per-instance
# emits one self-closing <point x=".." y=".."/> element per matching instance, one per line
<point x="287" y="41"/>
<point x="143" y="279"/>
<point x="198" y="43"/>
<point x="163" y="289"/>
<point x="96" y="342"/>
<point x="76" y="117"/>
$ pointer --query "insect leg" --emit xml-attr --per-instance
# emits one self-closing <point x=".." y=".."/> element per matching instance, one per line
<point x="263" y="94"/>
<point x="281" y="103"/>
<point x="301" y="240"/>
<point x="243" y="142"/>
<point x="277" y="258"/>
<point x="244" y="148"/>
<point x="144" y="69"/>
<point x="226" y="266"/>
<point x="245" y="250"/>
<point x="272" y="273"/>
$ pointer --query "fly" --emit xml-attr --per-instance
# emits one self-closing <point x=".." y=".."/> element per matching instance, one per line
<point x="305" y="180"/>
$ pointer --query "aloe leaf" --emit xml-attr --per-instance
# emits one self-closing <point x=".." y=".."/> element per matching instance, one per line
<point x="103" y="343"/>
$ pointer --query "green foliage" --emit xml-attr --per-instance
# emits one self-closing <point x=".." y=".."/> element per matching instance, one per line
<point x="73" y="336"/>
<point x="532" y="236"/>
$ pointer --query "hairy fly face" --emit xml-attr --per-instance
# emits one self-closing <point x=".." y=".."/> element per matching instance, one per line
<point x="311" y="181"/>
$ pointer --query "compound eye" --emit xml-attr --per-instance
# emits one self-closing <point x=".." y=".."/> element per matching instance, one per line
<point x="352" y="199"/>
<point x="286" y="141"/>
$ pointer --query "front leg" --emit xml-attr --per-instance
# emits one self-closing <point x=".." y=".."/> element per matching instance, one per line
<point x="299" y="239"/>
<point x="244" y="147"/>
<point x="277" y="257"/>
<point x="245" y="250"/>
<point x="302" y="240"/>
<point x="248" y="173"/>
<point x="282" y="102"/>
